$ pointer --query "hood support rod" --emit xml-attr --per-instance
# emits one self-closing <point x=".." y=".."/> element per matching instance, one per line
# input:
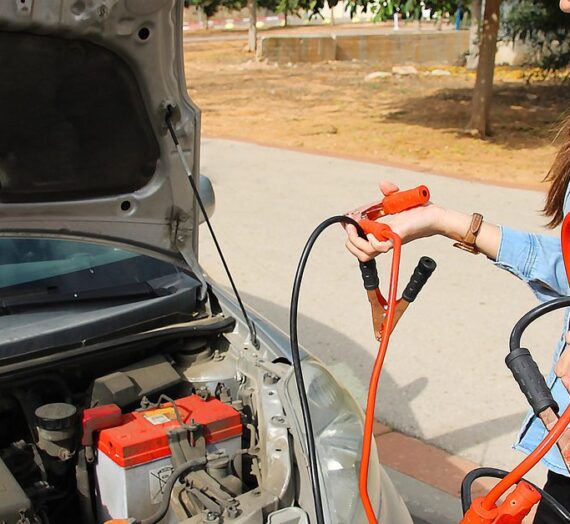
<point x="249" y="323"/>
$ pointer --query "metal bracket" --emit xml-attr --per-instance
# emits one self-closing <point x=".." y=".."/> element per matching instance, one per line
<point x="24" y="7"/>
<point x="178" y="239"/>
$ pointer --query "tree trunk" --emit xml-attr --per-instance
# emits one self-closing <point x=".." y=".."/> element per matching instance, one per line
<point x="285" y="19"/>
<point x="252" y="31"/>
<point x="483" y="90"/>
<point x="439" y="22"/>
<point x="332" y="16"/>
<point x="473" y="56"/>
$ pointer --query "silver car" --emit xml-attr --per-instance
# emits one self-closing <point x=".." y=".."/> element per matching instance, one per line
<point x="130" y="386"/>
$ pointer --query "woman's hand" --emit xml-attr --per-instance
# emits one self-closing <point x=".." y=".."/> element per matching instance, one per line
<point x="562" y="368"/>
<point x="409" y="225"/>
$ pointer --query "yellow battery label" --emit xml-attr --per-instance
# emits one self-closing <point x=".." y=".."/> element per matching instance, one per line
<point x="160" y="416"/>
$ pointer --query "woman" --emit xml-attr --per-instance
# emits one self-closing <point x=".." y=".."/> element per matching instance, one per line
<point x="535" y="259"/>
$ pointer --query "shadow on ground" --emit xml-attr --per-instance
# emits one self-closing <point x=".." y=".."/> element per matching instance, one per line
<point x="334" y="348"/>
<point x="522" y="116"/>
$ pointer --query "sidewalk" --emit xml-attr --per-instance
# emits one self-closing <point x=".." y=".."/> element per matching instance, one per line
<point x="445" y="381"/>
<point x="427" y="478"/>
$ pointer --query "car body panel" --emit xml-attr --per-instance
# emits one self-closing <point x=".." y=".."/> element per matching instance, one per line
<point x="161" y="219"/>
<point x="161" y="216"/>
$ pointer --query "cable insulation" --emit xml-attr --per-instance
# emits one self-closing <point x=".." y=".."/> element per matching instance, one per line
<point x="478" y="473"/>
<point x="529" y="462"/>
<point x="375" y="377"/>
<point x="296" y="358"/>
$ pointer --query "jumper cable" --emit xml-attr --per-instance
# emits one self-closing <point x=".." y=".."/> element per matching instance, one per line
<point x="385" y="313"/>
<point x="483" y="510"/>
<point x="520" y="501"/>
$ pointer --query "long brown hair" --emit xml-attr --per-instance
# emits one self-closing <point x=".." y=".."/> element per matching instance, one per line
<point x="558" y="176"/>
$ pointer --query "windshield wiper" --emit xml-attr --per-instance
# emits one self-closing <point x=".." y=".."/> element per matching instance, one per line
<point x="52" y="295"/>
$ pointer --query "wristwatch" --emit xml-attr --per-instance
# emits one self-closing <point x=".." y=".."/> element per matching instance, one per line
<point x="467" y="243"/>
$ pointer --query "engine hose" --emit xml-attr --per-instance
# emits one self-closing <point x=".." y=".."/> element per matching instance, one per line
<point x="478" y="473"/>
<point x="162" y="510"/>
<point x="371" y="400"/>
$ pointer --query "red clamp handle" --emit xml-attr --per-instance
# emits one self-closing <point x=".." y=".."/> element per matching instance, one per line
<point x="377" y="229"/>
<point x="402" y="200"/>
<point x="513" y="510"/>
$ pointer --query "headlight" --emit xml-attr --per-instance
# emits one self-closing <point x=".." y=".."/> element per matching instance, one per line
<point x="338" y="426"/>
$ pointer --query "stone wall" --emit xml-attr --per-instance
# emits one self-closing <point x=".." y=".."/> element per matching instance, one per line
<point x="425" y="48"/>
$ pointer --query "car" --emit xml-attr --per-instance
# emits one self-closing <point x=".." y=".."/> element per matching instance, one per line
<point x="131" y="386"/>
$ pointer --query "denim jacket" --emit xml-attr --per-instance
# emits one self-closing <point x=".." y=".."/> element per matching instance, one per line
<point x="537" y="260"/>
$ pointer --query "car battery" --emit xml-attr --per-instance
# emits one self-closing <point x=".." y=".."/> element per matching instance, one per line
<point x="133" y="459"/>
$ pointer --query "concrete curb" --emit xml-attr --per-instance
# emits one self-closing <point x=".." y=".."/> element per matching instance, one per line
<point x="427" y="478"/>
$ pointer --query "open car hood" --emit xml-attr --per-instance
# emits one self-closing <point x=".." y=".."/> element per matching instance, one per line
<point x="84" y="149"/>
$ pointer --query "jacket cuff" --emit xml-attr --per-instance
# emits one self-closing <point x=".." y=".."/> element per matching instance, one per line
<point x="517" y="252"/>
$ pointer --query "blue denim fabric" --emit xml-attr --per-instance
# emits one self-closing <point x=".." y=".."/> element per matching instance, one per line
<point x="537" y="260"/>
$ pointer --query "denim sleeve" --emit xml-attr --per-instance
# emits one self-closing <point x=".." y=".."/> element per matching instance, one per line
<point x="535" y="259"/>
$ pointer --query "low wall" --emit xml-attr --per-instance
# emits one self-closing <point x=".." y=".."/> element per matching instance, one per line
<point x="425" y="48"/>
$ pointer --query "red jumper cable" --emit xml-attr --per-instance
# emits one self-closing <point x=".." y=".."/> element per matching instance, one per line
<point x="386" y="313"/>
<point x="519" y="502"/>
<point x="483" y="510"/>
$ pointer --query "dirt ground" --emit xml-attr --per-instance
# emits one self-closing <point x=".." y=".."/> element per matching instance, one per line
<point x="415" y="121"/>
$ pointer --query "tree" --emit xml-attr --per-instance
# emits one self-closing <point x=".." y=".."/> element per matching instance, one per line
<point x="332" y="4"/>
<point x="473" y="56"/>
<point x="252" y="27"/>
<point x="211" y="7"/>
<point x="385" y="9"/>
<point x="289" y="7"/>
<point x="544" y="28"/>
<point x="479" y="124"/>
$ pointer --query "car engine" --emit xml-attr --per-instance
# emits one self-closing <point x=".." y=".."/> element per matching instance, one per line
<point x="189" y="430"/>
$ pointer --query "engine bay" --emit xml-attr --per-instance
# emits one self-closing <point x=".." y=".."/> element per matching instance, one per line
<point x="188" y="430"/>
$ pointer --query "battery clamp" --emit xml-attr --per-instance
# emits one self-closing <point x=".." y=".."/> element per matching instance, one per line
<point x="495" y="507"/>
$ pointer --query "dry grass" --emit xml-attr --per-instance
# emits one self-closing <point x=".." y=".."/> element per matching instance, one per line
<point x="416" y="120"/>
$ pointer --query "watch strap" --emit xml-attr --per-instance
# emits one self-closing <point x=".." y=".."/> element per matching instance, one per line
<point x="468" y="242"/>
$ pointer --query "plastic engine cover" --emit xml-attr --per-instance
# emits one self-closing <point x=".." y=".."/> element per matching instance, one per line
<point x="13" y="500"/>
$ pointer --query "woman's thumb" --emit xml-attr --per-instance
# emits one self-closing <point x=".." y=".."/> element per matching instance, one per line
<point x="388" y="188"/>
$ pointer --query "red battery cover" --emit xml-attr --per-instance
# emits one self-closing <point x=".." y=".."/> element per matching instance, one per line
<point x="142" y="436"/>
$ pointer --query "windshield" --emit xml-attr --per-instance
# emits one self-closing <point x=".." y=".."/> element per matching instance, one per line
<point x="31" y="264"/>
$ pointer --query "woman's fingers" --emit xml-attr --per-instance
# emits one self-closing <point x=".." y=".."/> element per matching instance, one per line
<point x="380" y="247"/>
<point x="365" y="249"/>
<point x="566" y="381"/>
<point x="562" y="368"/>
<point x="388" y="187"/>
<point x="363" y="245"/>
<point x="361" y="255"/>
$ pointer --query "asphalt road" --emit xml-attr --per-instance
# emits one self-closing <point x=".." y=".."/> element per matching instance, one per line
<point x="445" y="381"/>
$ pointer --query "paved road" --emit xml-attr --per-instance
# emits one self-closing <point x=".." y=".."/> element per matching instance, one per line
<point x="445" y="380"/>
